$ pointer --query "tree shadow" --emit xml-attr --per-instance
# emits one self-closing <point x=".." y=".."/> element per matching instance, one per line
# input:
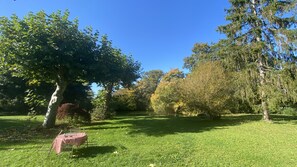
<point x="107" y="127"/>
<point x="97" y="123"/>
<point x="93" y="151"/>
<point x="160" y="126"/>
<point x="284" y="119"/>
<point x="17" y="123"/>
<point x="22" y="132"/>
<point x="38" y="148"/>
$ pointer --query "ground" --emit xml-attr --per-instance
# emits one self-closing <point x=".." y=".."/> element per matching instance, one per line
<point x="236" y="140"/>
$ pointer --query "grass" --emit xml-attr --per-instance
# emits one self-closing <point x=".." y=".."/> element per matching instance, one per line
<point x="238" y="140"/>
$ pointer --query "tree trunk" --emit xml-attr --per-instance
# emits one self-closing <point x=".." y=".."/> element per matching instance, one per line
<point x="108" y="97"/>
<point x="57" y="97"/>
<point x="264" y="106"/>
<point x="262" y="73"/>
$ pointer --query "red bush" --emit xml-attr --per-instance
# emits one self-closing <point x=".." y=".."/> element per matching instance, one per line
<point x="73" y="111"/>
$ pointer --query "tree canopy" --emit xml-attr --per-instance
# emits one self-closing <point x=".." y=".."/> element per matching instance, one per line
<point x="52" y="48"/>
<point x="263" y="33"/>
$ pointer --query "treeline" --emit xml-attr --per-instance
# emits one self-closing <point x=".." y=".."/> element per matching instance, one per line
<point x="47" y="57"/>
<point x="253" y="70"/>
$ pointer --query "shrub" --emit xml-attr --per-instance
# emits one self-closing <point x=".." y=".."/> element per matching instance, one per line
<point x="99" y="110"/>
<point x="208" y="90"/>
<point x="289" y="111"/>
<point x="124" y="100"/>
<point x="73" y="113"/>
<point x="166" y="99"/>
<point x="100" y="114"/>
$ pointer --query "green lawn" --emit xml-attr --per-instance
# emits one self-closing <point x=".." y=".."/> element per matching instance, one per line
<point x="238" y="140"/>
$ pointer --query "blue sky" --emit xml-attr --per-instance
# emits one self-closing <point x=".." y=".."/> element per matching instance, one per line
<point x="157" y="33"/>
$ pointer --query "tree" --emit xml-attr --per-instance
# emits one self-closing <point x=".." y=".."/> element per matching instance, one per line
<point x="124" y="100"/>
<point x="201" y="52"/>
<point x="48" y="48"/>
<point x="116" y="69"/>
<point x="37" y="97"/>
<point x="146" y="87"/>
<point x="80" y="94"/>
<point x="12" y="94"/>
<point x="207" y="90"/>
<point x="167" y="99"/>
<point x="267" y="30"/>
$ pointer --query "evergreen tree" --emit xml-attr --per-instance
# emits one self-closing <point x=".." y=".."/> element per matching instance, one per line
<point x="266" y="29"/>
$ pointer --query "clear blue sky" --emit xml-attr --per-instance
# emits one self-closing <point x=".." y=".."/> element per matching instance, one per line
<point x="158" y="33"/>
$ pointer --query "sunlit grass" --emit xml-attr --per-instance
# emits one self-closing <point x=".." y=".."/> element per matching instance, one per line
<point x="240" y="140"/>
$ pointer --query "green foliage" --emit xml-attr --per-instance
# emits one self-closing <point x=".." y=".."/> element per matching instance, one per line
<point x="35" y="102"/>
<point x="12" y="94"/>
<point x="52" y="49"/>
<point x="201" y="53"/>
<point x="261" y="36"/>
<point x="167" y="98"/>
<point x="124" y="100"/>
<point x="146" y="87"/>
<point x="99" y="104"/>
<point x="289" y="111"/>
<point x="48" y="48"/>
<point x="99" y="107"/>
<point x="42" y="47"/>
<point x="79" y="93"/>
<point x="282" y="88"/>
<point x="18" y="96"/>
<point x="208" y="89"/>
<point x="113" y="66"/>
<point x="115" y="69"/>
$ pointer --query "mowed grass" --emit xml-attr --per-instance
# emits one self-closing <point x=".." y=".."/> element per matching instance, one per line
<point x="237" y="140"/>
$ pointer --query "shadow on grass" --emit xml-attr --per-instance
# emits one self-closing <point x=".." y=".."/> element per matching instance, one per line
<point x="17" y="123"/>
<point x="107" y="127"/>
<point x="99" y="123"/>
<point x="12" y="148"/>
<point x="27" y="136"/>
<point x="22" y="132"/>
<point x="93" y="151"/>
<point x="160" y="126"/>
<point x="284" y="119"/>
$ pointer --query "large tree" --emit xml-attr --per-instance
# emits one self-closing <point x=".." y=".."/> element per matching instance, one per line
<point x="266" y="29"/>
<point x="47" y="48"/>
<point x="116" y="69"/>
<point x="200" y="52"/>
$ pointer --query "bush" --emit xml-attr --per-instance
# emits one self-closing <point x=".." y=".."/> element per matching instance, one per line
<point x="73" y="113"/>
<point x="166" y="99"/>
<point x="124" y="100"/>
<point x="289" y="111"/>
<point x="100" y="114"/>
<point x="99" y="110"/>
<point x="208" y="89"/>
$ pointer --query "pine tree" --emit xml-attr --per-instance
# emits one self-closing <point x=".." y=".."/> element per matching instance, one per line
<point x="268" y="29"/>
